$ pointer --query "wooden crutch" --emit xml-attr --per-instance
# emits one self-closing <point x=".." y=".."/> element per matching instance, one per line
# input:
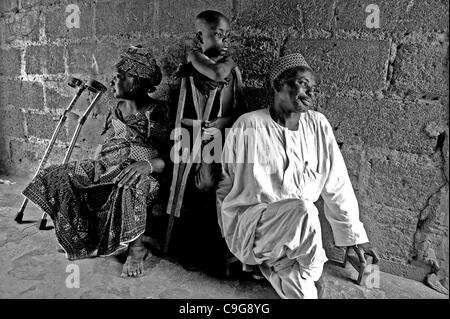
<point x="361" y="268"/>
<point x="73" y="82"/>
<point x="95" y="87"/>
<point x="182" y="168"/>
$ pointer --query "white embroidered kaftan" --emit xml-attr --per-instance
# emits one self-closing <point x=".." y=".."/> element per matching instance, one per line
<point x="266" y="165"/>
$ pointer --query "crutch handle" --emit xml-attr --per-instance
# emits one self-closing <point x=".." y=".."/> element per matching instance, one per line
<point x="74" y="82"/>
<point x="95" y="86"/>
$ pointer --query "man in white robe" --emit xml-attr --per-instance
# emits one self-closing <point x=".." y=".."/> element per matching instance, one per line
<point x="276" y="163"/>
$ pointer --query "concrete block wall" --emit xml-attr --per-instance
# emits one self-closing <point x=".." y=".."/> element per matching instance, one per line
<point x="384" y="90"/>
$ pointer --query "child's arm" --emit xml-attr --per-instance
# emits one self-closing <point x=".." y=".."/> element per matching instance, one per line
<point x="229" y="111"/>
<point x="216" y="71"/>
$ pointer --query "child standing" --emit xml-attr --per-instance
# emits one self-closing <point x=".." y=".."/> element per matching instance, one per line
<point x="197" y="236"/>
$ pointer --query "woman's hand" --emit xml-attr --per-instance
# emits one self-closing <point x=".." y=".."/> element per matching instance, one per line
<point x="135" y="171"/>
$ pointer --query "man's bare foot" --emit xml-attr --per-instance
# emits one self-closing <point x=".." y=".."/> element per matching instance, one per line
<point x="134" y="266"/>
<point x="320" y="285"/>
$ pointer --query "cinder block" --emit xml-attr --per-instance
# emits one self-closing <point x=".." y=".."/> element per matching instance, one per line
<point x="27" y="4"/>
<point x="56" y="27"/>
<point x="94" y="59"/>
<point x="22" y="26"/>
<point x="345" y="64"/>
<point x="58" y="101"/>
<point x="276" y="15"/>
<point x="395" y="16"/>
<point x="403" y="183"/>
<point x="4" y="93"/>
<point x="254" y="56"/>
<point x="44" y="59"/>
<point x="10" y="61"/>
<point x="390" y="230"/>
<point x="385" y="123"/>
<point x="257" y="98"/>
<point x="32" y="95"/>
<point x="446" y="153"/>
<point x="11" y="122"/>
<point x="80" y="59"/>
<point x="352" y="159"/>
<point x="106" y="55"/>
<point x="43" y="126"/>
<point x="318" y="15"/>
<point x="270" y="14"/>
<point x="26" y="156"/>
<point x="421" y="70"/>
<point x="22" y="94"/>
<point x="169" y="54"/>
<point x="120" y="18"/>
<point x="139" y="16"/>
<point x="108" y="20"/>
<point x="9" y="5"/>
<point x="5" y="163"/>
<point x="414" y="272"/>
<point x="178" y="17"/>
<point x="107" y="102"/>
<point x="90" y="135"/>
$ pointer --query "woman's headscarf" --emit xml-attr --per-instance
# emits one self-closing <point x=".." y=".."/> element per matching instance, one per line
<point x="138" y="61"/>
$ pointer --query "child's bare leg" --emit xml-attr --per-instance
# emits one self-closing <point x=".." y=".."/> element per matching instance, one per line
<point x="134" y="265"/>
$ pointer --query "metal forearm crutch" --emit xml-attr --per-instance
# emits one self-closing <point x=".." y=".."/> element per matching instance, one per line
<point x="95" y="87"/>
<point x="73" y="82"/>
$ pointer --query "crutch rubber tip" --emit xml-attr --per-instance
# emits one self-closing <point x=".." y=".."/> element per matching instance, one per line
<point x="43" y="224"/>
<point x="19" y="217"/>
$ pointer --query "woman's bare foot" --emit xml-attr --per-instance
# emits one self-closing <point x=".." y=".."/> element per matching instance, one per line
<point x="134" y="266"/>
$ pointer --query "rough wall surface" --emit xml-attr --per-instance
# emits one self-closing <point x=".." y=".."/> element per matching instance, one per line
<point x="385" y="91"/>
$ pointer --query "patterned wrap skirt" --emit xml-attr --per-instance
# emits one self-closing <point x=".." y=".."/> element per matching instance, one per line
<point x="91" y="214"/>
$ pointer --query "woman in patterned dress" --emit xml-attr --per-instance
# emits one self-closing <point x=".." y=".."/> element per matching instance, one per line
<point x="99" y="206"/>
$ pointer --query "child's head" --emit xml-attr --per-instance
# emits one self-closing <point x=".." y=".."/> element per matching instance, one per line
<point x="212" y="32"/>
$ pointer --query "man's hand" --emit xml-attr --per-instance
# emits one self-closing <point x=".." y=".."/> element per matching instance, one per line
<point x="132" y="173"/>
<point x="366" y="248"/>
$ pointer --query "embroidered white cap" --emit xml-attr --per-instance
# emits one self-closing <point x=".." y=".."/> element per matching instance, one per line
<point x="285" y="63"/>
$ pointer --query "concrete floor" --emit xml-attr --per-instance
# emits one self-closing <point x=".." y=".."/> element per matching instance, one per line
<point x="32" y="268"/>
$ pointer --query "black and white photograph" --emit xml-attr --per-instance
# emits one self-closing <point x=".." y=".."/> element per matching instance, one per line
<point x="238" y="150"/>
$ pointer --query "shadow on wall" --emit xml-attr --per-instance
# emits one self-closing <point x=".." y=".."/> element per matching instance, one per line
<point x="257" y="98"/>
